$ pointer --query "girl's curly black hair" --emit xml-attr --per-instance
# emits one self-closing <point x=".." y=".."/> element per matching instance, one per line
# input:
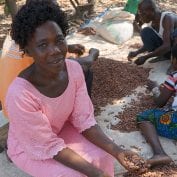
<point x="32" y="15"/>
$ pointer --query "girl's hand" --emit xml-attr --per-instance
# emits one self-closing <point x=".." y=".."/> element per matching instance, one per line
<point x="132" y="162"/>
<point x="151" y="85"/>
<point x="104" y="175"/>
<point x="98" y="174"/>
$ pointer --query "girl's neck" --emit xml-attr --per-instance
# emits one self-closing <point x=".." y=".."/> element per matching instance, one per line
<point x="43" y="77"/>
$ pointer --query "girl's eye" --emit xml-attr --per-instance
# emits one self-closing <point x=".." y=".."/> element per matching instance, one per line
<point x="43" y="45"/>
<point x="60" y="40"/>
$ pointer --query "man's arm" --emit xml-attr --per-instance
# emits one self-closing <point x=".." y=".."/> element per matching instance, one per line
<point x="168" y="25"/>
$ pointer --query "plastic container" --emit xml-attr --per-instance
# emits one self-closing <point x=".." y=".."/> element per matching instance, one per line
<point x="132" y="6"/>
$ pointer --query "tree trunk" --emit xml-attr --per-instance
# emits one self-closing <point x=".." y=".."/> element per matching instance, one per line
<point x="12" y="6"/>
<point x="91" y="1"/>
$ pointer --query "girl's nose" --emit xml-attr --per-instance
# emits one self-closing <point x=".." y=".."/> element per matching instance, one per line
<point x="54" y="50"/>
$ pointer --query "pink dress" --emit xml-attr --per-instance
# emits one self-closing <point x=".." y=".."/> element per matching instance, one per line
<point x="41" y="126"/>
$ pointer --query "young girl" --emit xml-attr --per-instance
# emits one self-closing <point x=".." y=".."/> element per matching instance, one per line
<point x="52" y="130"/>
<point x="163" y="120"/>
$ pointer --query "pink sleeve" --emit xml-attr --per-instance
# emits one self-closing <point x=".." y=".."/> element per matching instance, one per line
<point x="31" y="127"/>
<point x="82" y="116"/>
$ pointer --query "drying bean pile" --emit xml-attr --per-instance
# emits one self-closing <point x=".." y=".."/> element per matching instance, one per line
<point x="134" y="163"/>
<point x="160" y="171"/>
<point x="128" y="116"/>
<point x="114" y="80"/>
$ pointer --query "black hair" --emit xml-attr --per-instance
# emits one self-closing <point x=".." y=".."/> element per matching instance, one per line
<point x="33" y="14"/>
<point x="148" y="3"/>
<point x="174" y="51"/>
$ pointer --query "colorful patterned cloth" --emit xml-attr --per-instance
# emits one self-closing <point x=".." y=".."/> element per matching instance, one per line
<point x="165" y="122"/>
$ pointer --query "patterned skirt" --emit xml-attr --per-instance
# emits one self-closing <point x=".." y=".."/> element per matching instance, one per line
<point x="165" y="122"/>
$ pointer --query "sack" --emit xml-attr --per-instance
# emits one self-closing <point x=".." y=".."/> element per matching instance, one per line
<point x="114" y="32"/>
<point x="115" y="26"/>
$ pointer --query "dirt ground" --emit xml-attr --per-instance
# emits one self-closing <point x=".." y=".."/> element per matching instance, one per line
<point x="121" y="77"/>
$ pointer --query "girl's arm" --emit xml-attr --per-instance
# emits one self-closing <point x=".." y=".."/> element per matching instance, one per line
<point x="97" y="137"/>
<point x="161" y="94"/>
<point x="71" y="159"/>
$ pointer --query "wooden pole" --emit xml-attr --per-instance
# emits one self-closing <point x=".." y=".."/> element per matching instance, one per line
<point x="12" y="6"/>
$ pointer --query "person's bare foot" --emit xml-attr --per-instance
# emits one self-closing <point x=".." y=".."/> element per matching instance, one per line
<point x="94" y="53"/>
<point x="88" y="60"/>
<point x="151" y="85"/>
<point x="161" y="159"/>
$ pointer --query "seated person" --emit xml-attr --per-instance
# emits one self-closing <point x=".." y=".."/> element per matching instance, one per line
<point x="158" y="38"/>
<point x="13" y="61"/>
<point x="163" y="120"/>
<point x="51" y="118"/>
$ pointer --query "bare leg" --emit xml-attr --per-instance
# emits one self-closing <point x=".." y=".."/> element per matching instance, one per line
<point x="150" y="134"/>
<point x="86" y="63"/>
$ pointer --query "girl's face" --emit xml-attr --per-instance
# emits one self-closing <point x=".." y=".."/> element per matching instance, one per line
<point x="48" y="47"/>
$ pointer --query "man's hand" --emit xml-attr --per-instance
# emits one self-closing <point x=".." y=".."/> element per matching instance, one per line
<point x="76" y="48"/>
<point x="132" y="161"/>
<point x="140" y="60"/>
<point x="131" y="55"/>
